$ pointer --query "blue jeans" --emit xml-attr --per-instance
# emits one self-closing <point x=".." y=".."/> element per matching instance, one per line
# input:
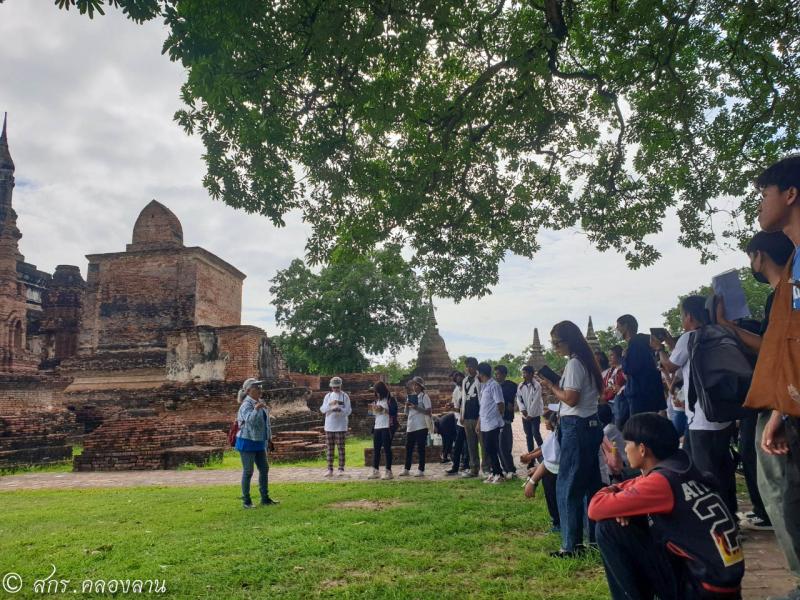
<point x="680" y="422"/>
<point x="259" y="459"/>
<point x="578" y="475"/>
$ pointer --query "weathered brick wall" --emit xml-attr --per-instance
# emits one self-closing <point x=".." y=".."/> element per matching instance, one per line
<point x="133" y="299"/>
<point x="218" y="294"/>
<point x="35" y="436"/>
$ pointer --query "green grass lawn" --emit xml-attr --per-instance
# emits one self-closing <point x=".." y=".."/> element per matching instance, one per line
<point x="425" y="540"/>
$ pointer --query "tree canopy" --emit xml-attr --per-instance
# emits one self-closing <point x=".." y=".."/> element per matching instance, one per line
<point x="461" y="128"/>
<point x="366" y="305"/>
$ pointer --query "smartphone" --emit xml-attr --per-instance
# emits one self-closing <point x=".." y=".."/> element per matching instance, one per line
<point x="413" y="399"/>
<point x="549" y="374"/>
<point x="659" y="333"/>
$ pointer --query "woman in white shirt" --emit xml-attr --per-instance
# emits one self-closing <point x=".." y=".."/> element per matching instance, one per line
<point x="336" y="408"/>
<point x="580" y="434"/>
<point x="418" y="411"/>
<point x="382" y="432"/>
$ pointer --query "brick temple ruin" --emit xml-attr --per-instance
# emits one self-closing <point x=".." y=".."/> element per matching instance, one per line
<point x="139" y="363"/>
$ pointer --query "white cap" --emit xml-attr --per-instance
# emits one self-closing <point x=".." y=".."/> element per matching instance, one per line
<point x="248" y="383"/>
<point x="335" y="382"/>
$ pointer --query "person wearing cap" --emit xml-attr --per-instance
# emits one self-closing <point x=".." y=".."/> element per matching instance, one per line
<point x="418" y="411"/>
<point x="336" y="408"/>
<point x="252" y="439"/>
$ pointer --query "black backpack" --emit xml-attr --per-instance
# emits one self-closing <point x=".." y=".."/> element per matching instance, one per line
<point x="721" y="373"/>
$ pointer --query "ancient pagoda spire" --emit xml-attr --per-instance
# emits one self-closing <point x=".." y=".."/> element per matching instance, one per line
<point x="433" y="361"/>
<point x="6" y="164"/>
<point x="537" y="359"/>
<point x="591" y="337"/>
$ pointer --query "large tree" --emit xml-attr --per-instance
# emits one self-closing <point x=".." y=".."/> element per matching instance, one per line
<point x="352" y="307"/>
<point x="463" y="127"/>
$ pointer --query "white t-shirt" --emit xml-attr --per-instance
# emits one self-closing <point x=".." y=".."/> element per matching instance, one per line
<point x="680" y="357"/>
<point x="578" y="379"/>
<point x="457" y="394"/>
<point x="491" y="396"/>
<point x="551" y="452"/>
<point x="336" y="420"/>
<point x="416" y="418"/>
<point x="382" y="419"/>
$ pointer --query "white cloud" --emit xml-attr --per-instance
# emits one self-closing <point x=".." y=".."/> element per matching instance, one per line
<point x="90" y="125"/>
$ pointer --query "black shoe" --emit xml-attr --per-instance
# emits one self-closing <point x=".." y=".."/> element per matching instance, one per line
<point x="451" y="472"/>
<point x="564" y="554"/>
<point x="247" y="505"/>
<point x="268" y="501"/>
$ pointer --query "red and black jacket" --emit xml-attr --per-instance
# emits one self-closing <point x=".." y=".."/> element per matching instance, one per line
<point x="688" y="516"/>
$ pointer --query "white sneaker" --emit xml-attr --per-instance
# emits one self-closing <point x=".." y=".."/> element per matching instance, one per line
<point x="497" y="479"/>
<point x="467" y="474"/>
<point x="373" y="474"/>
<point x="488" y="478"/>
<point x="511" y="475"/>
<point x="404" y="473"/>
<point x="387" y="475"/>
<point x="328" y="473"/>
<point x="419" y="474"/>
<point x="341" y="473"/>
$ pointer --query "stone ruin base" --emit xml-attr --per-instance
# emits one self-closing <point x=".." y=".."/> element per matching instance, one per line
<point x="298" y="445"/>
<point x="135" y="444"/>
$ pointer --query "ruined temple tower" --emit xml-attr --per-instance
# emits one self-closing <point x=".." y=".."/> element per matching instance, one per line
<point x="591" y="337"/>
<point x="433" y="361"/>
<point x="537" y="360"/>
<point x="14" y="354"/>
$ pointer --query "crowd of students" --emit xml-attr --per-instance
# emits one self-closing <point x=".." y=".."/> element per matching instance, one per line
<point x="637" y="462"/>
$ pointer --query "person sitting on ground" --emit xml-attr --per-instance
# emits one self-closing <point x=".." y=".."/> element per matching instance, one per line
<point x="666" y="533"/>
<point x="546" y="471"/>
<point x="490" y="421"/>
<point x="418" y="409"/>
<point x="336" y="408"/>
<point x="382" y="432"/>
<point x="507" y="435"/>
<point x="252" y="440"/>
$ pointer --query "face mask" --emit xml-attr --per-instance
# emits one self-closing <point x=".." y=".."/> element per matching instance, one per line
<point x="759" y="276"/>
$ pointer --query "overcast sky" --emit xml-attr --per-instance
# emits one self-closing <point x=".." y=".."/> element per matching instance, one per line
<point x="90" y="108"/>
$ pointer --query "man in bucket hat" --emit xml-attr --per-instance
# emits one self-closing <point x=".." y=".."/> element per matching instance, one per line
<point x="336" y="408"/>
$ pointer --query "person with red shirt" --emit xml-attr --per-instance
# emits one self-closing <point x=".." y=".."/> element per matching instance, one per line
<point x="666" y="533"/>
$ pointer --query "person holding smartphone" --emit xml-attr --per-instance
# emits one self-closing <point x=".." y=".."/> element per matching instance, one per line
<point x="580" y="434"/>
<point x="382" y="432"/>
<point x="336" y="408"/>
<point x="252" y="440"/>
<point x="419" y="410"/>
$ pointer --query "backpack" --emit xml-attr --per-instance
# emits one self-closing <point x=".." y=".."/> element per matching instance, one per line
<point x="721" y="374"/>
<point x="234" y="429"/>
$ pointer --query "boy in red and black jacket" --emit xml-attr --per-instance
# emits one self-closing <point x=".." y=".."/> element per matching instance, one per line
<point x="666" y="533"/>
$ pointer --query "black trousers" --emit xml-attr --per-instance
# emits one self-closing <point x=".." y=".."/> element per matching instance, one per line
<point x="382" y="440"/>
<point x="418" y="439"/>
<point x="711" y="453"/>
<point x="506" y="449"/>
<point x="460" y="454"/>
<point x="491" y="444"/>
<point x="747" y="450"/>
<point x="549" y="485"/>
<point x="532" y="430"/>
<point x="637" y="567"/>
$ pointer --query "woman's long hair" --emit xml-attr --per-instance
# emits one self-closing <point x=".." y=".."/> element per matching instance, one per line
<point x="382" y="390"/>
<point x="571" y="335"/>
